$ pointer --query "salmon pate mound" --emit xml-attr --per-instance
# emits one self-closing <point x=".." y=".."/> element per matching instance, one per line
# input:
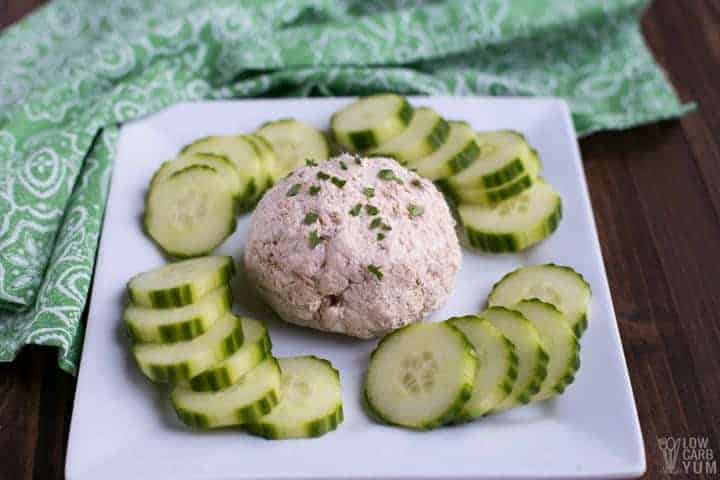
<point x="359" y="246"/>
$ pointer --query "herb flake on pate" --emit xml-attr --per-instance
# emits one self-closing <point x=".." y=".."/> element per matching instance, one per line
<point x="375" y="270"/>
<point x="294" y="190"/>
<point x="314" y="239"/>
<point x="388" y="175"/>
<point x="310" y="218"/>
<point x="415" y="210"/>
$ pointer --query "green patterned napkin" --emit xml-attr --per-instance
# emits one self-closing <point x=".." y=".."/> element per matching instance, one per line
<point x="74" y="70"/>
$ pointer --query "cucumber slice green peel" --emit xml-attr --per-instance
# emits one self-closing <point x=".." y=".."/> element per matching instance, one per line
<point x="532" y="355"/>
<point x="458" y="152"/>
<point x="180" y="283"/>
<point x="557" y="285"/>
<point x="246" y="157"/>
<point x="170" y="325"/>
<point x="220" y="163"/>
<point x="497" y="366"/>
<point x="268" y="173"/>
<point x="514" y="224"/>
<point x="256" y="348"/>
<point x="489" y="196"/>
<point x="560" y="342"/>
<point x="425" y="134"/>
<point x="476" y="196"/>
<point x="191" y="212"/>
<point x="310" y="401"/>
<point x="371" y="121"/>
<point x="293" y="142"/>
<point x="420" y="376"/>
<point x="504" y="156"/>
<point x="252" y="396"/>
<point x="178" y="362"/>
<point x="271" y="166"/>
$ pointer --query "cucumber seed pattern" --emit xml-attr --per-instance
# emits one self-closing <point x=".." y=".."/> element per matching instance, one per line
<point x="294" y="389"/>
<point x="519" y="204"/>
<point x="419" y="373"/>
<point x="191" y="206"/>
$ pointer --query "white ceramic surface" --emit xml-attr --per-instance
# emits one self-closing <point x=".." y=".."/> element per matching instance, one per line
<point x="124" y="428"/>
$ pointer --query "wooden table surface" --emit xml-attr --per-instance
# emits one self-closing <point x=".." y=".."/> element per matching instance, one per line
<point x="656" y="195"/>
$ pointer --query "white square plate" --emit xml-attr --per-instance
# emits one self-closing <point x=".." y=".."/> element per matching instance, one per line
<point x="124" y="428"/>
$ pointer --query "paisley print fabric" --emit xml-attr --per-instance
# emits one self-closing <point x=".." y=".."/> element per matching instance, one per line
<point x="76" y="69"/>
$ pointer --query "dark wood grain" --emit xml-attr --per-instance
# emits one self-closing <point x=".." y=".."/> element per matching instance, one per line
<point x="13" y="10"/>
<point x="656" y="195"/>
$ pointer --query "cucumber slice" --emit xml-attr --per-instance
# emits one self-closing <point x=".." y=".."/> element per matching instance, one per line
<point x="489" y="196"/>
<point x="254" y="395"/>
<point x="497" y="366"/>
<point x="480" y="196"/>
<point x="504" y="156"/>
<point x="426" y="133"/>
<point x="557" y="285"/>
<point x="180" y="283"/>
<point x="293" y="142"/>
<point x="243" y="154"/>
<point x="170" y="325"/>
<point x="219" y="163"/>
<point x="560" y="342"/>
<point x="180" y="361"/>
<point x="420" y="376"/>
<point x="310" y="401"/>
<point x="532" y="356"/>
<point x="458" y="152"/>
<point x="271" y="166"/>
<point x="256" y="347"/>
<point x="514" y="224"/>
<point x="371" y="121"/>
<point x="191" y="212"/>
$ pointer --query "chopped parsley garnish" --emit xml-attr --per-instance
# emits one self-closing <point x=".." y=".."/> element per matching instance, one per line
<point x="294" y="190"/>
<point x="377" y="221"/>
<point x="338" y="182"/>
<point x="310" y="162"/>
<point x="375" y="270"/>
<point x="343" y="165"/>
<point x="371" y="210"/>
<point x="415" y="210"/>
<point x="355" y="211"/>
<point x="386" y="227"/>
<point x="388" y="175"/>
<point x="369" y="192"/>
<point x="416" y="183"/>
<point x="314" y="239"/>
<point x="314" y="190"/>
<point x="310" y="218"/>
<point x="322" y="175"/>
<point x="380" y="237"/>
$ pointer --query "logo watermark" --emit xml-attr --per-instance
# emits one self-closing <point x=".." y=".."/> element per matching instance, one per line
<point x="688" y="455"/>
